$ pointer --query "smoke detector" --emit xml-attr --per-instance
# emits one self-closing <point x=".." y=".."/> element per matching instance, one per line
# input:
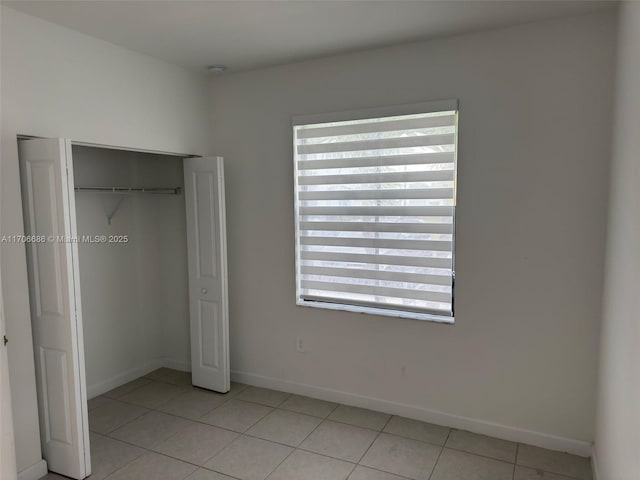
<point x="216" y="69"/>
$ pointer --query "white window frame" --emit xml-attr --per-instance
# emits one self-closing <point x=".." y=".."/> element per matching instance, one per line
<point x="362" y="114"/>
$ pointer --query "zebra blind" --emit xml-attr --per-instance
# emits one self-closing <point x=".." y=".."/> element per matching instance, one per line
<point x="375" y="200"/>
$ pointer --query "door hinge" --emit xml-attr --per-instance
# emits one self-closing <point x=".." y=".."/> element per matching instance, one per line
<point x="5" y="339"/>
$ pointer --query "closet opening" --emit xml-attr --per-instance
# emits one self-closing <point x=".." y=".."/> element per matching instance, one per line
<point x="133" y="265"/>
<point x="127" y="285"/>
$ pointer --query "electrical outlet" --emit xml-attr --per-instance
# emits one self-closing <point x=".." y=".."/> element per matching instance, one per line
<point x="299" y="345"/>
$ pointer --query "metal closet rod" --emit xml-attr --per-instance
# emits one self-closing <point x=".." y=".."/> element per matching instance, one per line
<point x="156" y="190"/>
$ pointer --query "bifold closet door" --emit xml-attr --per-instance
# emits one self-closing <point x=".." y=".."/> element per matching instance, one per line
<point x="46" y="173"/>
<point x="207" y="252"/>
<point x="7" y="444"/>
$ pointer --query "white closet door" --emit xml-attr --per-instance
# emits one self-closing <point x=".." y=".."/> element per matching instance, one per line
<point x="7" y="444"/>
<point x="46" y="173"/>
<point x="207" y="252"/>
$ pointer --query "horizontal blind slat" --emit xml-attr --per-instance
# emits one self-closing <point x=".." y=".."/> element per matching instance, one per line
<point x="409" y="294"/>
<point x="379" y="126"/>
<point x="395" y="194"/>
<point x="427" y="245"/>
<point x="377" y="161"/>
<point x="394" y="177"/>
<point x="426" y="211"/>
<point x="400" y="260"/>
<point x="390" y="304"/>
<point x="442" y="280"/>
<point x="440" y="228"/>
<point x="378" y="144"/>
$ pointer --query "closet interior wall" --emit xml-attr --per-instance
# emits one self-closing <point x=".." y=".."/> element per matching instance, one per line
<point x="134" y="294"/>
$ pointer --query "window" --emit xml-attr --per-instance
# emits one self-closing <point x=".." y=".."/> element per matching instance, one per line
<point x="375" y="207"/>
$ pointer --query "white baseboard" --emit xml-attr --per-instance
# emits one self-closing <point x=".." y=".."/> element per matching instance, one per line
<point x="176" y="364"/>
<point x="594" y="464"/>
<point x="137" y="372"/>
<point x="34" y="472"/>
<point x="122" y="378"/>
<point x="514" y="434"/>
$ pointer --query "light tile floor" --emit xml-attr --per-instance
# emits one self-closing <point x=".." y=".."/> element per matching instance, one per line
<point x="161" y="428"/>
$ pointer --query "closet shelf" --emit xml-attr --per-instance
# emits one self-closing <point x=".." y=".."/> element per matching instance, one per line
<point x="125" y="190"/>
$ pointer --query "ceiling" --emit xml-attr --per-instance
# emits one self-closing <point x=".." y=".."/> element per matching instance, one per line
<point x="251" y="34"/>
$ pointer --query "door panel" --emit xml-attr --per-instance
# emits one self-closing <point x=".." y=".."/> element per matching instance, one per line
<point x="208" y="305"/>
<point x="209" y="328"/>
<point x="47" y="273"/>
<point x="204" y="198"/>
<point x="55" y="380"/>
<point x="49" y="213"/>
<point x="7" y="442"/>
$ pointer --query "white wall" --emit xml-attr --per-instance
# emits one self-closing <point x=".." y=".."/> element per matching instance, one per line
<point x="57" y="82"/>
<point x="162" y="252"/>
<point x="134" y="295"/>
<point x="618" y="417"/>
<point x="535" y="112"/>
<point x="531" y="208"/>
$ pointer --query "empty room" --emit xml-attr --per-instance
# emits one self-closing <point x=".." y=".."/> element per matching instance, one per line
<point x="319" y="240"/>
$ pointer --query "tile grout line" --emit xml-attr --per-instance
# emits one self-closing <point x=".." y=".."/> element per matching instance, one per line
<point x="288" y="395"/>
<point x="379" y="433"/>
<point x="478" y="455"/>
<point x="307" y="451"/>
<point x="180" y="418"/>
<point x="120" y="426"/>
<point x="277" y="407"/>
<point x="298" y="447"/>
<point x="159" y="380"/>
<point x="149" y="450"/>
<point x="204" y="424"/>
<point x="569" y="477"/>
<point x="435" y="464"/>
<point x="143" y="451"/>
<point x="384" y="471"/>
<point x="326" y="417"/>
<point x="246" y="434"/>
<point x="311" y="432"/>
<point x="200" y="421"/>
<point x="224" y="401"/>
<point x="188" y="388"/>
<point x="515" y="462"/>
<point x="283" y="460"/>
<point x="375" y="440"/>
<point x="294" y="448"/>
<point x="240" y="434"/>
<point x="352" y="424"/>
<point x="336" y="421"/>
<point x="259" y="420"/>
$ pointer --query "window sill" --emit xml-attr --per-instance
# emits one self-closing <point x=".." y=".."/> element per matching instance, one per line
<point x="428" y="317"/>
